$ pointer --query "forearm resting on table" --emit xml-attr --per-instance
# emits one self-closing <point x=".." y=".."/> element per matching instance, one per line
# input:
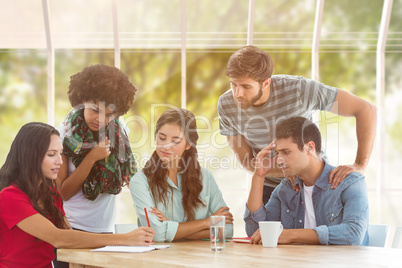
<point x="78" y="239"/>
<point x="188" y="229"/>
<point x="299" y="236"/>
<point x="40" y="227"/>
<point x="199" y="235"/>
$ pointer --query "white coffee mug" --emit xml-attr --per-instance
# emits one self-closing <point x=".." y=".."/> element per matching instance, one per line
<point x="270" y="232"/>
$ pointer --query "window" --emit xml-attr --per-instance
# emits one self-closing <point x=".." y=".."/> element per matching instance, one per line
<point x="153" y="36"/>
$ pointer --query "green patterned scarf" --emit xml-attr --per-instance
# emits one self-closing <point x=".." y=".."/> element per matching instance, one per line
<point x="107" y="175"/>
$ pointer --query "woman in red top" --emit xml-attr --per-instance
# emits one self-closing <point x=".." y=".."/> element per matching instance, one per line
<point x="32" y="219"/>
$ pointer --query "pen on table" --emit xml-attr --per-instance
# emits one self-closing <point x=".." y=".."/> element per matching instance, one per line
<point x="207" y="239"/>
<point x="146" y="215"/>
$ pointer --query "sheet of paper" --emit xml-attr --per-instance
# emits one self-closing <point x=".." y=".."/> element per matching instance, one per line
<point x="130" y="249"/>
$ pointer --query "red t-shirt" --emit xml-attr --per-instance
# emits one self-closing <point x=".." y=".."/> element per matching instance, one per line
<point x="18" y="248"/>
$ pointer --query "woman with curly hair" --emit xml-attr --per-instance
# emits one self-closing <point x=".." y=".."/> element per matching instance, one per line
<point x="97" y="158"/>
<point x="177" y="191"/>
<point x="32" y="218"/>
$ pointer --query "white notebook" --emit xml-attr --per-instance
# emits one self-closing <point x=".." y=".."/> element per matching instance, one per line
<point x="130" y="249"/>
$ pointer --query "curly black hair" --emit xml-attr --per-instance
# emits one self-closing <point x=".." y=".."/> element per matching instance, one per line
<point x="102" y="83"/>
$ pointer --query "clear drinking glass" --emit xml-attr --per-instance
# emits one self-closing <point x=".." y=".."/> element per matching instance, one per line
<point x="217" y="232"/>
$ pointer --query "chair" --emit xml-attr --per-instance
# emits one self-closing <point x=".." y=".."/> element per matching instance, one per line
<point x="397" y="243"/>
<point x="378" y="234"/>
<point x="123" y="228"/>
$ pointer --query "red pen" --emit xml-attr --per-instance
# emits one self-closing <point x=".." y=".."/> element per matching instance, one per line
<point x="146" y="215"/>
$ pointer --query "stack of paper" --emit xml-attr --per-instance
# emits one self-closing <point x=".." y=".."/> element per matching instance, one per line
<point x="241" y="239"/>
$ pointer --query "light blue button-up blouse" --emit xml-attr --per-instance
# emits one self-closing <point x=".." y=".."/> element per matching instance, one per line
<point x="166" y="231"/>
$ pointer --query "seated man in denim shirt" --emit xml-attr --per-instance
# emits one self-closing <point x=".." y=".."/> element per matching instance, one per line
<point x="316" y="214"/>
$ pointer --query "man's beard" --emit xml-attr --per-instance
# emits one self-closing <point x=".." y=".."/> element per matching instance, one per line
<point x="247" y="104"/>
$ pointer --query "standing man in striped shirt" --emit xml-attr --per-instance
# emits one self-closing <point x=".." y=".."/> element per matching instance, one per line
<point x="257" y="101"/>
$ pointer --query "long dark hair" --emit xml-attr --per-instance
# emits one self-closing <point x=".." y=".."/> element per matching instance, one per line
<point x="189" y="166"/>
<point x="23" y="167"/>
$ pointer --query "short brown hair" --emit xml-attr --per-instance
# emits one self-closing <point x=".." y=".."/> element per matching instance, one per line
<point x="301" y="130"/>
<point x="102" y="83"/>
<point x="252" y="62"/>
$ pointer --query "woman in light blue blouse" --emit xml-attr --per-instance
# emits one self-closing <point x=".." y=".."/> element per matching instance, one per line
<point x="179" y="194"/>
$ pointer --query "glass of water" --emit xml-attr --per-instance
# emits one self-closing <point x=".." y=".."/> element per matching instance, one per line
<point x="217" y="232"/>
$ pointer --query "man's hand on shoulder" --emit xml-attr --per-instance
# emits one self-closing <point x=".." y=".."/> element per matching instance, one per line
<point x="337" y="175"/>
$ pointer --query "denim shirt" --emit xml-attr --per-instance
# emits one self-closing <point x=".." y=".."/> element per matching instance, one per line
<point x="342" y="214"/>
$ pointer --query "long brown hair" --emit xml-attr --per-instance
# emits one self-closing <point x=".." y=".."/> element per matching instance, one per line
<point x="189" y="166"/>
<point x="23" y="167"/>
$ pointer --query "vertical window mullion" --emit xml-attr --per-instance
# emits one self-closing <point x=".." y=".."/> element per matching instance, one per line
<point x="380" y="92"/>
<point x="250" y="28"/>
<point x="116" y="38"/>
<point x="183" y="55"/>
<point x="50" y="63"/>
<point x="315" y="53"/>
